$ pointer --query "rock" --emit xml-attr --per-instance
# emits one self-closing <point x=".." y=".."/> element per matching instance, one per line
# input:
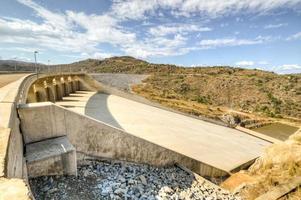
<point x="229" y="120"/>
<point x="46" y="188"/>
<point x="143" y="180"/>
<point x="86" y="173"/>
<point x="106" y="191"/>
<point x="53" y="190"/>
<point x="119" y="191"/>
<point x="51" y="180"/>
<point x="121" y="179"/>
<point x="116" y="180"/>
<point x="131" y="182"/>
<point x="167" y="190"/>
<point x="183" y="195"/>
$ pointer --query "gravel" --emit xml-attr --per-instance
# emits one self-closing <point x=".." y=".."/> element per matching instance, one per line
<point x="120" y="180"/>
<point x="120" y="81"/>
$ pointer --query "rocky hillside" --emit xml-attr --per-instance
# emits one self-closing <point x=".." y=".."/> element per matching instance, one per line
<point x="124" y="64"/>
<point x="242" y="90"/>
<point x="209" y="91"/>
<point x="11" y="65"/>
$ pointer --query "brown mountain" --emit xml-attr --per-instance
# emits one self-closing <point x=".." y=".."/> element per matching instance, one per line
<point x="206" y="90"/>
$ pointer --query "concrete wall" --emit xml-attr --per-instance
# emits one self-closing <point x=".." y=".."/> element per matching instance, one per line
<point x="95" y="138"/>
<point x="53" y="88"/>
<point x="12" y="161"/>
<point x="11" y="158"/>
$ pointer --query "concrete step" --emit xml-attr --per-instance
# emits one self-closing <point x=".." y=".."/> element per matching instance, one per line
<point x="51" y="156"/>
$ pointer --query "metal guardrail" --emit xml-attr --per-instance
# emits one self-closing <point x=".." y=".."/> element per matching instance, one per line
<point x="44" y="70"/>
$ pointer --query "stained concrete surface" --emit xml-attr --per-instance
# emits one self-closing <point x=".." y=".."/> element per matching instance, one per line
<point x="216" y="145"/>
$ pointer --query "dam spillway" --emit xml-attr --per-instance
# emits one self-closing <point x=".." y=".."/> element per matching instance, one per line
<point x="222" y="147"/>
<point x="97" y="121"/>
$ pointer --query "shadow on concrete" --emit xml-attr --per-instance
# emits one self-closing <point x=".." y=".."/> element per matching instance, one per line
<point x="75" y="95"/>
<point x="70" y="100"/>
<point x="69" y="106"/>
<point x="97" y="108"/>
<point x="81" y="92"/>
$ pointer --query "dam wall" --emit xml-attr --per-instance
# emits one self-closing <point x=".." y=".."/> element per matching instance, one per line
<point x="13" y="169"/>
<point x="28" y="115"/>
<point x="96" y="139"/>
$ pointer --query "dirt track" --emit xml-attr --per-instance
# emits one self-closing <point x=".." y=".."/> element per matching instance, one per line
<point x="8" y="78"/>
<point x="120" y="81"/>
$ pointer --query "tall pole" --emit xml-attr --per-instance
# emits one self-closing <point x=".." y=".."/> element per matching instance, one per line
<point x="35" y="62"/>
<point x="15" y="64"/>
<point x="48" y="66"/>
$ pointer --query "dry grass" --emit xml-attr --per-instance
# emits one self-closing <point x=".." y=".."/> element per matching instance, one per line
<point x="206" y="88"/>
<point x="185" y="106"/>
<point x="8" y="78"/>
<point x="279" y="164"/>
<point x="209" y="95"/>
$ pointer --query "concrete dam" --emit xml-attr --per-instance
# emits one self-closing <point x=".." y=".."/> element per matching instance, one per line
<point x="49" y="123"/>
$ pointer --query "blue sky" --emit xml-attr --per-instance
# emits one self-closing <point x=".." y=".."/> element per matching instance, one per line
<point x="246" y="33"/>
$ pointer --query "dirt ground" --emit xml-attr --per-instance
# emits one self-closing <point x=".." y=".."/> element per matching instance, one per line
<point x="120" y="81"/>
<point x="8" y="78"/>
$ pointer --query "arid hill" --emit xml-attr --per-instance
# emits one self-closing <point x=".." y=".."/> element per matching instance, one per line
<point x="209" y="91"/>
<point x="206" y="91"/>
<point x="12" y="65"/>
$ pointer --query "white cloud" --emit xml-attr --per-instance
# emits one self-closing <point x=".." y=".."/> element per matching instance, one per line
<point x="244" y="63"/>
<point x="226" y="42"/>
<point x="96" y="55"/>
<point x="59" y="31"/>
<point x="137" y="9"/>
<point x="296" y="36"/>
<point x="56" y="20"/>
<point x="263" y="62"/>
<point x="158" y="46"/>
<point x="78" y="32"/>
<point x="20" y="49"/>
<point x="224" y="25"/>
<point x="163" y="30"/>
<point x="102" y="28"/>
<point x="288" y="69"/>
<point x="271" y="26"/>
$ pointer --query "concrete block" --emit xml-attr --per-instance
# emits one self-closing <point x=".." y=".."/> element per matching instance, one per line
<point x="52" y="156"/>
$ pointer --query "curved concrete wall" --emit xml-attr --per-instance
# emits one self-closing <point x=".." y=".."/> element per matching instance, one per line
<point x="53" y="88"/>
<point x="27" y="89"/>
